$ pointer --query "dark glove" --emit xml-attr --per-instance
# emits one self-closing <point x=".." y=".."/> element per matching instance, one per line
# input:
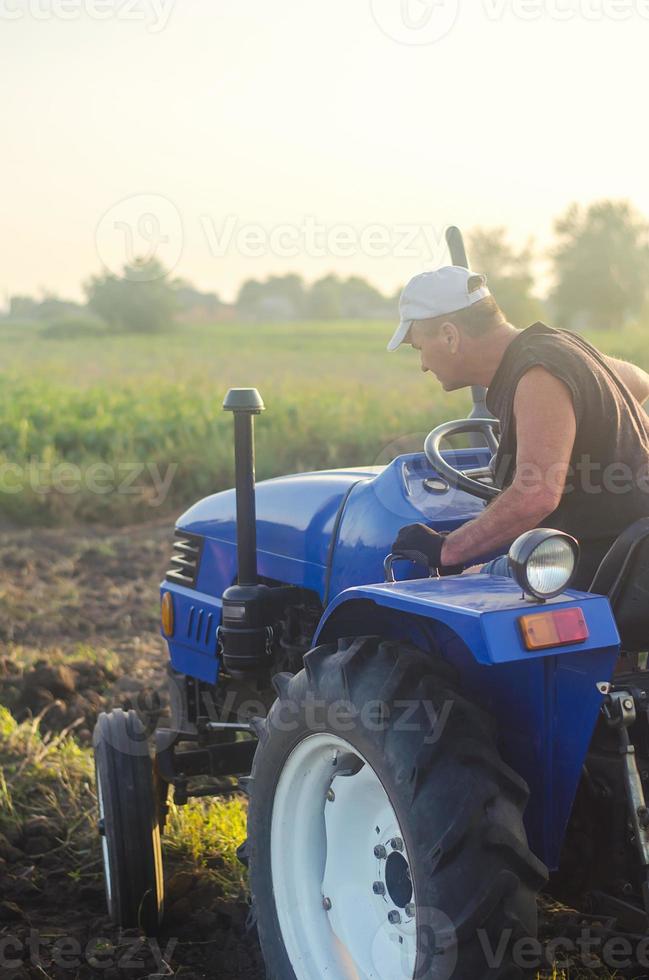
<point x="423" y="545"/>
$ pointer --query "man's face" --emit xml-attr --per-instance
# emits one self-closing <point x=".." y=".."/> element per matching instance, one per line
<point x="440" y="352"/>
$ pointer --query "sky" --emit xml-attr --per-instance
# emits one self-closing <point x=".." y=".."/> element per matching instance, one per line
<point x="235" y="139"/>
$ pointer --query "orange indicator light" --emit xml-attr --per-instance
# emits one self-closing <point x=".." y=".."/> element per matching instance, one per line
<point x="167" y="614"/>
<point x="554" y="629"/>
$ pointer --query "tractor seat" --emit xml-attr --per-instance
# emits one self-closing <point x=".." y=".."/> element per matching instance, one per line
<point x="623" y="576"/>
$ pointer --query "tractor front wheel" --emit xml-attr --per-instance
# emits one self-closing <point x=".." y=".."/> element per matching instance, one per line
<point x="128" y="822"/>
<point x="385" y="833"/>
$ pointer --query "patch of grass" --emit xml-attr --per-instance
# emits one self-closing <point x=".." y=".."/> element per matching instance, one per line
<point x="92" y="427"/>
<point x="205" y="830"/>
<point x="52" y="777"/>
<point x="135" y="452"/>
<point x="24" y="657"/>
<point x="558" y="974"/>
<point x="87" y="654"/>
<point x="78" y="327"/>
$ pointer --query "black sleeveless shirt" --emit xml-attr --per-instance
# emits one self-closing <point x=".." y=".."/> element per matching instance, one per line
<point x="607" y="487"/>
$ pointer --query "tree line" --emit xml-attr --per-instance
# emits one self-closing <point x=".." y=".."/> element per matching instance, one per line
<point x="599" y="277"/>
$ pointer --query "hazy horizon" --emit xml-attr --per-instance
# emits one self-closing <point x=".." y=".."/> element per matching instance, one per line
<point x="253" y="140"/>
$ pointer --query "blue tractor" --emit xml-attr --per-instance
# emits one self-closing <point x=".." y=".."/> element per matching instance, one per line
<point x="418" y="751"/>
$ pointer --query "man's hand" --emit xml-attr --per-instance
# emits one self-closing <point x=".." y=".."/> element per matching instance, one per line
<point x="423" y="545"/>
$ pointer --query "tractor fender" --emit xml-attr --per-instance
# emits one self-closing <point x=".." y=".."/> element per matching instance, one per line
<point x="545" y="702"/>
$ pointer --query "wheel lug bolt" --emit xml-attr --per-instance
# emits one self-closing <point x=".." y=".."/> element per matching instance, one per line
<point x="394" y="917"/>
<point x="396" y="844"/>
<point x="331" y="796"/>
<point x="378" y="888"/>
<point x="410" y="910"/>
<point x="380" y="852"/>
<point x="326" y="904"/>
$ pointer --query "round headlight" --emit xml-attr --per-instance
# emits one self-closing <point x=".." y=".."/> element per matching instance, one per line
<point x="544" y="562"/>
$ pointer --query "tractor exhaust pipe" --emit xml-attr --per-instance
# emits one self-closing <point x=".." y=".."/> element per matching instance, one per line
<point x="456" y="247"/>
<point x="245" y="403"/>
<point x="245" y="634"/>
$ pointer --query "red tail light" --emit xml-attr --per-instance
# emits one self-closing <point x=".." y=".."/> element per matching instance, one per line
<point x="554" y="629"/>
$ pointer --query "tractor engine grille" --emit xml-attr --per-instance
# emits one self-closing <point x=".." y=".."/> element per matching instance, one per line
<point x="186" y="559"/>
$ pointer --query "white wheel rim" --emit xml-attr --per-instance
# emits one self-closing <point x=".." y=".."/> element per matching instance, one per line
<point x="104" y="844"/>
<point x="323" y="854"/>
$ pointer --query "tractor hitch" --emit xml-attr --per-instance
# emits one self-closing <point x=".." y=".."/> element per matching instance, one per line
<point x="620" y="712"/>
<point x="218" y="761"/>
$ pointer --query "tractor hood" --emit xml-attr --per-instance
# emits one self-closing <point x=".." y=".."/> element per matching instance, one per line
<point x="329" y="530"/>
<point x="296" y="518"/>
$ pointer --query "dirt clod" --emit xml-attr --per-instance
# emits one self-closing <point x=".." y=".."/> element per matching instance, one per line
<point x="8" y="852"/>
<point x="59" y="680"/>
<point x="10" y="912"/>
<point x="37" y="825"/>
<point x="37" y="845"/>
<point x="180" y="911"/>
<point x="179" y="885"/>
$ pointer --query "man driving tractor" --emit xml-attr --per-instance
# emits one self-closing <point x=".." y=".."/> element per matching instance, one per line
<point x="574" y="447"/>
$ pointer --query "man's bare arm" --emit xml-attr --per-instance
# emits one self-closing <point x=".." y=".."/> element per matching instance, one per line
<point x="636" y="380"/>
<point x="545" y="433"/>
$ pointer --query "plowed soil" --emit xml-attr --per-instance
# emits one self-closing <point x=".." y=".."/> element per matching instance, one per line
<point x="79" y="634"/>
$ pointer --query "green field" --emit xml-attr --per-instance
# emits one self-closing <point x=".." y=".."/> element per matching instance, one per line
<point x="124" y="428"/>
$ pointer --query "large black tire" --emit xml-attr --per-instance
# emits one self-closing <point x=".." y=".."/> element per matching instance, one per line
<point x="459" y="806"/>
<point x="129" y="822"/>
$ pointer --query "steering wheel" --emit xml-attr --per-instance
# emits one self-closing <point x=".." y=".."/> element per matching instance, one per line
<point x="468" y="480"/>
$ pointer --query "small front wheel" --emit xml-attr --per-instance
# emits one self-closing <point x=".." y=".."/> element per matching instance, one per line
<point x="128" y="822"/>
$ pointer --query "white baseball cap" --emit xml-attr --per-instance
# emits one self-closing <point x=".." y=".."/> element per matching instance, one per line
<point x="436" y="293"/>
